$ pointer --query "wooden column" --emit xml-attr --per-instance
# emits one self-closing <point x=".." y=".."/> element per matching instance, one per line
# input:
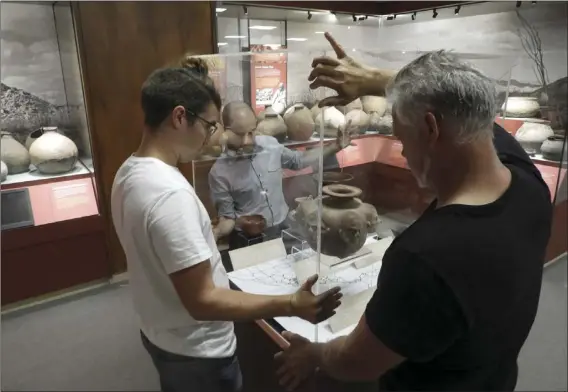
<point x="120" y="44"/>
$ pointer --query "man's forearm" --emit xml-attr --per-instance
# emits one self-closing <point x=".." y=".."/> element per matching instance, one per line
<point x="225" y="227"/>
<point x="311" y="157"/>
<point x="330" y="358"/>
<point x="222" y="304"/>
<point x="377" y="81"/>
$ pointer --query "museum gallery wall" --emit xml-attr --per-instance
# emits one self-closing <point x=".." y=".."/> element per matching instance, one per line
<point x="479" y="36"/>
<point x="41" y="82"/>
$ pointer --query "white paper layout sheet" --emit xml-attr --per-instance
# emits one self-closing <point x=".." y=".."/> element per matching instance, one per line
<point x="277" y="277"/>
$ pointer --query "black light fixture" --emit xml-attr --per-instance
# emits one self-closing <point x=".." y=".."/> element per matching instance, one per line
<point x="333" y="13"/>
<point x="245" y="10"/>
<point x="519" y="4"/>
<point x="354" y="18"/>
<point x="309" y="15"/>
<point x="457" y="11"/>
<point x="391" y="17"/>
<point x="533" y="2"/>
<point x="413" y="16"/>
<point x="434" y="13"/>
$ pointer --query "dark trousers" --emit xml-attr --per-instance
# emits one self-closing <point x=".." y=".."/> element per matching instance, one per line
<point x="179" y="373"/>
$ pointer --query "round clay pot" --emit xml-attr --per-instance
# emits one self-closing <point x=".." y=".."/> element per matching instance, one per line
<point x="53" y="153"/>
<point x="554" y="148"/>
<point x="359" y="119"/>
<point x="14" y="155"/>
<point x="253" y="225"/>
<point x="354" y="105"/>
<point x="521" y="107"/>
<point x="345" y="220"/>
<point x="372" y="104"/>
<point x="532" y="135"/>
<point x="330" y="178"/>
<point x="272" y="125"/>
<point x="3" y="171"/>
<point x="300" y="123"/>
<point x="333" y="121"/>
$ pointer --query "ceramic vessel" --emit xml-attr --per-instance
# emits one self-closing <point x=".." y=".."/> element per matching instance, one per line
<point x="3" y="171"/>
<point x="354" y="105"/>
<point x="272" y="125"/>
<point x="14" y="155"/>
<point x="300" y="123"/>
<point x="532" y="135"/>
<point x="32" y="137"/>
<point x="333" y="121"/>
<point x="252" y="225"/>
<point x="53" y="153"/>
<point x="521" y="107"/>
<point x="359" y="119"/>
<point x="554" y="148"/>
<point x="345" y="220"/>
<point x="372" y="104"/>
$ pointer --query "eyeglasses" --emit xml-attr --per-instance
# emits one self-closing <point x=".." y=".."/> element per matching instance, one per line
<point x="211" y="126"/>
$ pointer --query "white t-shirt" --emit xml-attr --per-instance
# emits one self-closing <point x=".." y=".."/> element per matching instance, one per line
<point x="163" y="227"/>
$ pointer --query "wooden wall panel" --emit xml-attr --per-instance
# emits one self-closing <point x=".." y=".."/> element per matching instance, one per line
<point x="120" y="43"/>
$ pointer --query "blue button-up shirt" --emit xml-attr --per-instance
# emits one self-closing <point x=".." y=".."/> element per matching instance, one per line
<point x="251" y="185"/>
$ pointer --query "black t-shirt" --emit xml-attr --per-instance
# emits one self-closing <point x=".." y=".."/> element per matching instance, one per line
<point x="459" y="289"/>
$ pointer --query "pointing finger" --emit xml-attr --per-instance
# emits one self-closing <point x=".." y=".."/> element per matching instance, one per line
<point x="338" y="49"/>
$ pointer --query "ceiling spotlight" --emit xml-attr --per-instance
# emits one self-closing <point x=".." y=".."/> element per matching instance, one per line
<point x="309" y="15"/>
<point x="533" y="2"/>
<point x="354" y="18"/>
<point x="434" y="13"/>
<point x="413" y="16"/>
<point x="457" y="11"/>
<point x="333" y="13"/>
<point x="245" y="10"/>
<point x="519" y="4"/>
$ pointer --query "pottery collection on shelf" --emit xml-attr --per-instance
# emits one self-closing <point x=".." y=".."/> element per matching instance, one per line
<point x="345" y="220"/>
<point x="554" y="148"/>
<point x="532" y="135"/>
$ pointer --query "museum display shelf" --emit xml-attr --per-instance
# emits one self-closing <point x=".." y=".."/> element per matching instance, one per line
<point x="50" y="208"/>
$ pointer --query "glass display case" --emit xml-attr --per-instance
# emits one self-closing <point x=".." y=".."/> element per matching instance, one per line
<point x="299" y="206"/>
<point x="47" y="169"/>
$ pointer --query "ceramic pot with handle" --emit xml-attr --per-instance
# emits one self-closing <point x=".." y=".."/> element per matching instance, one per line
<point x="345" y="221"/>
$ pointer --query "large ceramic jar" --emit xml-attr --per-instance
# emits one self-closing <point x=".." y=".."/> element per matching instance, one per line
<point x="521" y="107"/>
<point x="333" y="121"/>
<point x="53" y="153"/>
<point x="272" y="125"/>
<point x="554" y="148"/>
<point x="358" y="119"/>
<point x="3" y="171"/>
<point x="345" y="220"/>
<point x="14" y="154"/>
<point x="372" y="104"/>
<point x="531" y="136"/>
<point x="300" y="123"/>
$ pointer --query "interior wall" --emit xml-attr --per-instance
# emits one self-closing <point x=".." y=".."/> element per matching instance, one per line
<point x="120" y="44"/>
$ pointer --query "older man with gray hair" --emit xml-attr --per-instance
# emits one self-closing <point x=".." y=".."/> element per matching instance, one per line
<point x="459" y="289"/>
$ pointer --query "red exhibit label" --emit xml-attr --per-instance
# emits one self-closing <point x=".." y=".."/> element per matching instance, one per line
<point x="268" y="78"/>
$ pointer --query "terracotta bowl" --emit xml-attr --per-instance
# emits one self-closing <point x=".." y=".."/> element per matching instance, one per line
<point x="253" y="225"/>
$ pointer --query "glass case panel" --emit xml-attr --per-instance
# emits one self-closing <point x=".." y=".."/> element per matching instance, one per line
<point x="46" y="149"/>
<point x="299" y="206"/>
<point x="42" y="94"/>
